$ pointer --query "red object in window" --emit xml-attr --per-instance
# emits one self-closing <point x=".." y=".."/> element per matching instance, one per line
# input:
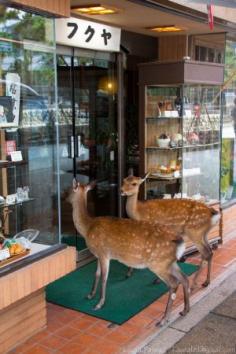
<point x="210" y="16"/>
<point x="10" y="146"/>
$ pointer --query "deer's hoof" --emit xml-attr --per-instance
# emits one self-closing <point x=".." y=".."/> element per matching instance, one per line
<point x="162" y="323"/>
<point x="98" y="307"/>
<point x="184" y="312"/>
<point x="205" y="284"/>
<point x="156" y="281"/>
<point x="90" y="296"/>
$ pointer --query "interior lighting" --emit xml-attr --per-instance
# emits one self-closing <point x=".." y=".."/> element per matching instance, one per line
<point x="171" y="28"/>
<point x="94" y="10"/>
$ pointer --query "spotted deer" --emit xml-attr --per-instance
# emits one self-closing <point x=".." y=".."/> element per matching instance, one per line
<point x="192" y="218"/>
<point x="134" y="243"/>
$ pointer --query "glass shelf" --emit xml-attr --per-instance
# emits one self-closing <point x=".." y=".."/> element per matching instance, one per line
<point x="5" y="205"/>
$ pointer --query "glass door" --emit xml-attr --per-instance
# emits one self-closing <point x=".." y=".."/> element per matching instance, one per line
<point x="87" y="97"/>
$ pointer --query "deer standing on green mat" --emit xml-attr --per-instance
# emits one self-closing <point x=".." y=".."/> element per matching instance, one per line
<point x="136" y="244"/>
<point x="191" y="218"/>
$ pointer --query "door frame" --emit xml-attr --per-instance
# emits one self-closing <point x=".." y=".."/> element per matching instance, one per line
<point x="119" y="60"/>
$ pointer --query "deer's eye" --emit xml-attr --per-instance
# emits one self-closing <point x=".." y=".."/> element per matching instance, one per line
<point x="134" y="184"/>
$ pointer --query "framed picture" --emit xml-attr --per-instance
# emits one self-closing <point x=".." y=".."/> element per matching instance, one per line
<point x="6" y="111"/>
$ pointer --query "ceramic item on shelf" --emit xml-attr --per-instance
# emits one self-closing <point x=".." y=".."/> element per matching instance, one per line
<point x="163" y="141"/>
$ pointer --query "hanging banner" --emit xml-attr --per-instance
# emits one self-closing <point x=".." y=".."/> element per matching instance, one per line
<point x="210" y="16"/>
<point x="13" y="91"/>
<point x="86" y="34"/>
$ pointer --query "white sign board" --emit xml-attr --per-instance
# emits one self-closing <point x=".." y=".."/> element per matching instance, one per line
<point x="13" y="90"/>
<point x="86" y="34"/>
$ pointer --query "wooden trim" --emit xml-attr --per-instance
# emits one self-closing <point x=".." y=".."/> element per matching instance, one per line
<point x="172" y="47"/>
<point x="54" y="8"/>
<point x="21" y="320"/>
<point x="25" y="281"/>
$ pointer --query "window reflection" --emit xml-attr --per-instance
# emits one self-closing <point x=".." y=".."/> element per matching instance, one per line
<point x="228" y="155"/>
<point x="27" y="77"/>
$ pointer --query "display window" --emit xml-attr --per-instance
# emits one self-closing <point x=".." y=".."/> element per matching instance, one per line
<point x="228" y="153"/>
<point x="28" y="135"/>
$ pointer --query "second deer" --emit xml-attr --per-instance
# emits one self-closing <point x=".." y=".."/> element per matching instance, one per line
<point x="191" y="218"/>
<point x="136" y="244"/>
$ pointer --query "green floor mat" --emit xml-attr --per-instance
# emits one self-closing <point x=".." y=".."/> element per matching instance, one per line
<point x="124" y="299"/>
<point x="76" y="241"/>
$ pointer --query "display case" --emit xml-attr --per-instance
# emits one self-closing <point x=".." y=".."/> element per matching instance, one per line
<point x="180" y="125"/>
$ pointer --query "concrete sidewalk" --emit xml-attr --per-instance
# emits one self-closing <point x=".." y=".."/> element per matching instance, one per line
<point x="210" y="327"/>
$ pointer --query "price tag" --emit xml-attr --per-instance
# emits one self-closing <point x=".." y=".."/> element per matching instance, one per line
<point x="16" y="156"/>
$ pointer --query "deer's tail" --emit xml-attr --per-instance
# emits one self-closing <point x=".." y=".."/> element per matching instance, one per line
<point x="215" y="216"/>
<point x="180" y="247"/>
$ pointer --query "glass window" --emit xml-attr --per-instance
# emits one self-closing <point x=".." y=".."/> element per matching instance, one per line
<point x="228" y="154"/>
<point x="28" y="179"/>
<point x="201" y="140"/>
<point x="209" y="47"/>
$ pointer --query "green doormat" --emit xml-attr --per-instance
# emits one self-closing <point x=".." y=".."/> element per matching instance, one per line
<point x="72" y="240"/>
<point x="124" y="297"/>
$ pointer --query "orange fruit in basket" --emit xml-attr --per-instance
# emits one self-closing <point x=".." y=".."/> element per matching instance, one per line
<point x="12" y="249"/>
<point x="18" y="249"/>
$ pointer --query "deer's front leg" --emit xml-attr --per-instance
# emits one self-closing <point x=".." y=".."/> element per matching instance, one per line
<point x="104" y="263"/>
<point x="96" y="281"/>
<point x="129" y="273"/>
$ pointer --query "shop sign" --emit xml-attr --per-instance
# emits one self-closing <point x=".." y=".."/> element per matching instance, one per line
<point x="86" y="34"/>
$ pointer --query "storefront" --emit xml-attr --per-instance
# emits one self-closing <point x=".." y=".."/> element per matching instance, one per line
<point x="72" y="109"/>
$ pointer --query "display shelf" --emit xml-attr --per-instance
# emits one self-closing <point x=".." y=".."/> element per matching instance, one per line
<point x="6" y="164"/>
<point x="185" y="111"/>
<point x="197" y="146"/>
<point x="161" y="117"/>
<point x="166" y="149"/>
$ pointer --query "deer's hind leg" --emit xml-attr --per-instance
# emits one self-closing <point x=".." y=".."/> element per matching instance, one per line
<point x="209" y="260"/>
<point x="172" y="281"/>
<point x="199" y="238"/>
<point x="183" y="279"/>
<point x="206" y="257"/>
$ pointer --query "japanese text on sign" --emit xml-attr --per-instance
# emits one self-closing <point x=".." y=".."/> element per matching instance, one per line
<point x="86" y="34"/>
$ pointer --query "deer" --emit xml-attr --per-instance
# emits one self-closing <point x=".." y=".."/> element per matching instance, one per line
<point x="133" y="243"/>
<point x="193" y="219"/>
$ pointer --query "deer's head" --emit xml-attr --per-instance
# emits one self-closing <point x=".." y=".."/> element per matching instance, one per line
<point x="131" y="185"/>
<point x="80" y="190"/>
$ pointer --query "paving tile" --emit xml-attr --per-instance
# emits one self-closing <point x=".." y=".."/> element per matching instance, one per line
<point x="53" y="342"/>
<point x="104" y="346"/>
<point x="38" y="349"/>
<point x="227" y="308"/>
<point x="119" y="336"/>
<point x="22" y="348"/>
<point x="100" y="329"/>
<point x="67" y="332"/>
<point x="140" y="320"/>
<point x="83" y="323"/>
<point x="84" y="339"/>
<point x="72" y="348"/>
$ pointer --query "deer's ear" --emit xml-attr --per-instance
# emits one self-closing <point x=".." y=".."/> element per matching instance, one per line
<point x="145" y="177"/>
<point x="90" y="186"/>
<point x="75" y="184"/>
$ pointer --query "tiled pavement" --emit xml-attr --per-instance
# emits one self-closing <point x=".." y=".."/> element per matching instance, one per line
<point x="72" y="332"/>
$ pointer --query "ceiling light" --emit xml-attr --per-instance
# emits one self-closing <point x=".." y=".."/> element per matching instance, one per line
<point x="94" y="10"/>
<point x="171" y="28"/>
